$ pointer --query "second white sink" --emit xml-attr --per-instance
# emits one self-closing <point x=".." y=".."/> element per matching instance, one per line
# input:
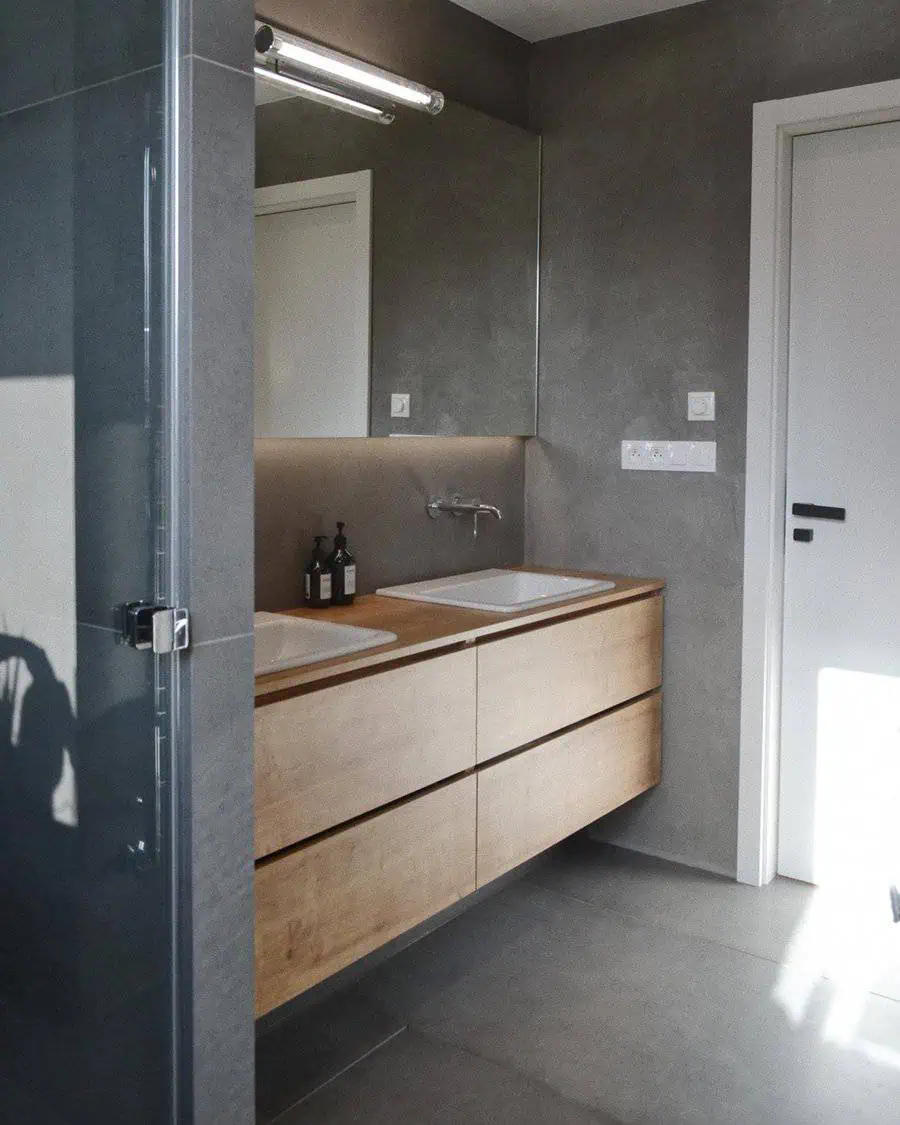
<point x="290" y="642"/>
<point x="499" y="591"/>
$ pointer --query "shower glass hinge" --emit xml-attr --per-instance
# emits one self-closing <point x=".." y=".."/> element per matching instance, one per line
<point x="159" y="628"/>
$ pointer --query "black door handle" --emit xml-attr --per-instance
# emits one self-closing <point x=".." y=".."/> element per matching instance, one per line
<point x="818" y="512"/>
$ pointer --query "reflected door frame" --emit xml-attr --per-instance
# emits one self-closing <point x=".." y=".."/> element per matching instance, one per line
<point x="775" y="125"/>
<point x="355" y="188"/>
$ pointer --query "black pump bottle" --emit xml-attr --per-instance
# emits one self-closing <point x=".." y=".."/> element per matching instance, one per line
<point x="343" y="570"/>
<point x="317" y="578"/>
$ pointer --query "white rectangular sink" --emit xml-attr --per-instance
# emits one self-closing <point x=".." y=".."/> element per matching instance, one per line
<point x="499" y="591"/>
<point x="284" y="642"/>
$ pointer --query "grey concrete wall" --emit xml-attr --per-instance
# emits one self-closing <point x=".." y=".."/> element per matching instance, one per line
<point x="380" y="488"/>
<point x="216" y="415"/>
<point x="646" y="212"/>
<point x="431" y="41"/>
<point x="454" y="256"/>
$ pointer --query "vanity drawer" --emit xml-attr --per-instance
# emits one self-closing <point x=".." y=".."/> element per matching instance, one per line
<point x="331" y="755"/>
<point x="534" y="683"/>
<point x="322" y="907"/>
<point x="531" y="801"/>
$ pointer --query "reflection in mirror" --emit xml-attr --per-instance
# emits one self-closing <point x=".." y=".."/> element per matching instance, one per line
<point x="313" y="272"/>
<point x="441" y="215"/>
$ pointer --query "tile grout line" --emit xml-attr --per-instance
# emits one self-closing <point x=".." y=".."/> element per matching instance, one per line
<point x="344" y="1070"/>
<point x="650" y="923"/>
<point x="222" y="640"/>
<point x="193" y="646"/>
<point x="112" y="79"/>
<point x="79" y="90"/>
<point x="224" y="66"/>
<point x="510" y="1068"/>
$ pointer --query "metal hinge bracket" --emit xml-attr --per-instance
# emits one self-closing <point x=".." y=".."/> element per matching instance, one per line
<point x="159" y="628"/>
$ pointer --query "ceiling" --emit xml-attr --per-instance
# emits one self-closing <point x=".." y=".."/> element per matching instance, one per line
<point x="544" y="19"/>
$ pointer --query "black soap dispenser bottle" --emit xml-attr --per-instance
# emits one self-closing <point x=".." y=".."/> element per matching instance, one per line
<point x="343" y="570"/>
<point x="317" y="582"/>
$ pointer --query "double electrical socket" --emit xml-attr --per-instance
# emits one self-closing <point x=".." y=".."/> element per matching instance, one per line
<point x="669" y="456"/>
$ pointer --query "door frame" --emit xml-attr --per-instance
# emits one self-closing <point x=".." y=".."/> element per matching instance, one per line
<point x="775" y="125"/>
<point x="325" y="191"/>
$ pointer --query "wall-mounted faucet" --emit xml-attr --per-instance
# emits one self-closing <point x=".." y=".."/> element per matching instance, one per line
<point x="456" y="506"/>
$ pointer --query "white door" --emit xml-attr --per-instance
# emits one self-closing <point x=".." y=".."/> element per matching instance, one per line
<point x="313" y="270"/>
<point x="840" y="767"/>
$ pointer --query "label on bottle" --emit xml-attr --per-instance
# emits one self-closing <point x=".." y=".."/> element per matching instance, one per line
<point x="325" y="587"/>
<point x="349" y="580"/>
<point x="307" y="586"/>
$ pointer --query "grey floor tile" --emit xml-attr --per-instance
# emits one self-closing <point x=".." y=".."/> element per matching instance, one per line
<point x="421" y="1082"/>
<point x="299" y="1055"/>
<point x="424" y="971"/>
<point x="829" y="936"/>
<point x="653" y="1026"/>
<point x="575" y="988"/>
<point x="761" y="921"/>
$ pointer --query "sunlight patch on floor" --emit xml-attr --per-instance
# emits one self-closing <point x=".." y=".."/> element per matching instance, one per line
<point x="847" y="935"/>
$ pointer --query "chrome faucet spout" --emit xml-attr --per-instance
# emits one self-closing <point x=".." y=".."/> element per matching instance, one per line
<point x="456" y="506"/>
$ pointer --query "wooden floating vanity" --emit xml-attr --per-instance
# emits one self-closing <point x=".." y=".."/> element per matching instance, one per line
<point x="392" y="783"/>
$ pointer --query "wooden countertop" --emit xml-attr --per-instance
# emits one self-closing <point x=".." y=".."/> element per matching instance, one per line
<point x="424" y="627"/>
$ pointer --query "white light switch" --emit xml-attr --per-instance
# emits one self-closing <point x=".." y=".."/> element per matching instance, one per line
<point x="670" y="456"/>
<point x="678" y="456"/>
<point x="399" y="406"/>
<point x="701" y="406"/>
<point x="701" y="457"/>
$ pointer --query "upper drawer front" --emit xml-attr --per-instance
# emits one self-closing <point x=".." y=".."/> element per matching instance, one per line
<point x="534" y="683"/>
<point x="331" y="755"/>
<point x="327" y="904"/>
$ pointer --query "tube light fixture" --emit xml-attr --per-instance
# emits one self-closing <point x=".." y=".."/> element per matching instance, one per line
<point x="323" y="62"/>
<point x="324" y="97"/>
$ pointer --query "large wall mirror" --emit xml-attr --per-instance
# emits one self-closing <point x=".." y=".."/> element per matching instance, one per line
<point x="391" y="261"/>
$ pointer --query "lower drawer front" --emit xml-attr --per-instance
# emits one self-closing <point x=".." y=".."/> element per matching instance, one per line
<point x="325" y="905"/>
<point x="531" y="801"/>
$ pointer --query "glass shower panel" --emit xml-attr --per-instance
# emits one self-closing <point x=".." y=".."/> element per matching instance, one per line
<point x="87" y="952"/>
